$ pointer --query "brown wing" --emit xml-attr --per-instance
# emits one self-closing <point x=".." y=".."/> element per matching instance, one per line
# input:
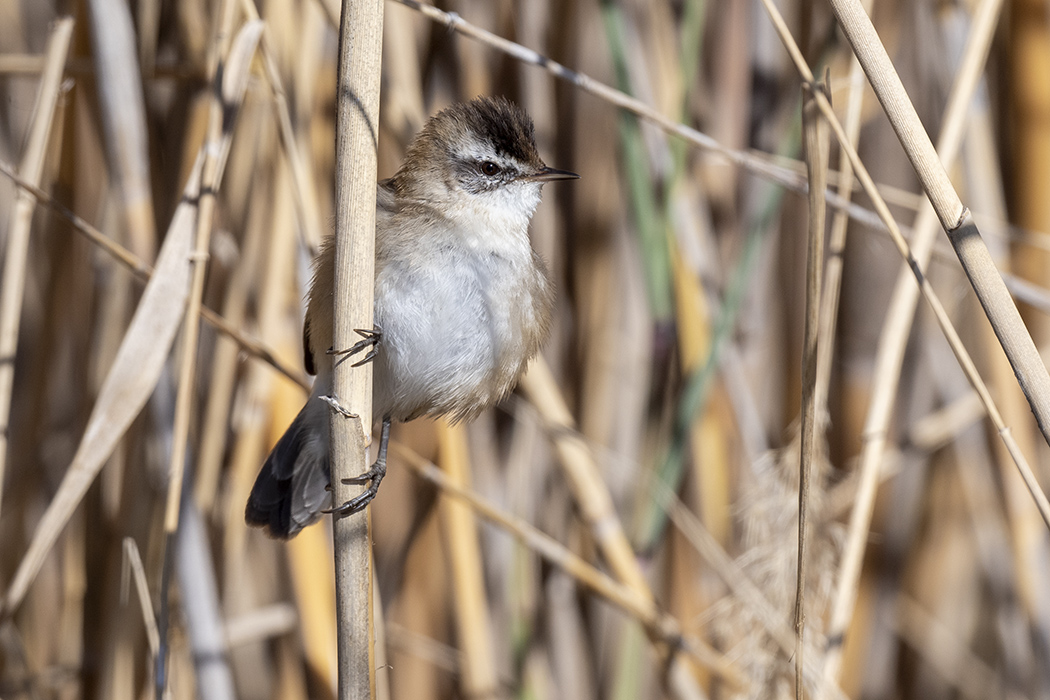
<point x="321" y="289"/>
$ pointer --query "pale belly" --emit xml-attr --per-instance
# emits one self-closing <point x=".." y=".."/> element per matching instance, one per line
<point x="455" y="339"/>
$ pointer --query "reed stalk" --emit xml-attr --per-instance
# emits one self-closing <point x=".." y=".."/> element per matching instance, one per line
<point x="31" y="169"/>
<point x="357" y="138"/>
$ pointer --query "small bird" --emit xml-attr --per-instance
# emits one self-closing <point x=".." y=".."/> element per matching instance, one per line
<point x="462" y="301"/>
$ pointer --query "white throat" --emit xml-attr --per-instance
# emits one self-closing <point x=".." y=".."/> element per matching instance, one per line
<point x="497" y="221"/>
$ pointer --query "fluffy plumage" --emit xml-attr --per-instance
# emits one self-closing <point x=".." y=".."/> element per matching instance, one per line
<point x="462" y="299"/>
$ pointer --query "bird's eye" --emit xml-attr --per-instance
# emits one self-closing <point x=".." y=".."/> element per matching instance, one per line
<point x="490" y="168"/>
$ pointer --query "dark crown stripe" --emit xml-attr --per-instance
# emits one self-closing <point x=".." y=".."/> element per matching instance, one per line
<point x="507" y="126"/>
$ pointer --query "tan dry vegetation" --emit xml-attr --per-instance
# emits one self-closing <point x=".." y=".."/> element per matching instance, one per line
<point x="623" y="526"/>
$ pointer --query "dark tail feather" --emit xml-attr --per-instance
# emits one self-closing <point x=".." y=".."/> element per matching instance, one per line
<point x="290" y="491"/>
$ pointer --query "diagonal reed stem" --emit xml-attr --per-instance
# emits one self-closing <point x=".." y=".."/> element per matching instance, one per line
<point x="954" y="216"/>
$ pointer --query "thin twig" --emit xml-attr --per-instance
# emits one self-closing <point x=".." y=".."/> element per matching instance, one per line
<point x="594" y="500"/>
<point x="862" y="512"/>
<point x="129" y="382"/>
<point x="785" y="172"/>
<point x="218" y="128"/>
<point x="894" y="335"/>
<point x="735" y="579"/>
<point x="955" y="218"/>
<point x="951" y="335"/>
<point x="791" y="178"/>
<point x="832" y="287"/>
<point x="660" y="625"/>
<point x="249" y="274"/>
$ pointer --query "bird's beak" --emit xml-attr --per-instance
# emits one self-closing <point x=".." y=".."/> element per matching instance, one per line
<point x="546" y="174"/>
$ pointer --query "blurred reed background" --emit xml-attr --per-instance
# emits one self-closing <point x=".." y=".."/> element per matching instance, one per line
<point x="677" y="349"/>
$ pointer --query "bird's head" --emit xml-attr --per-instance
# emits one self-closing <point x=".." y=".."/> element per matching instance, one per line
<point x="477" y="158"/>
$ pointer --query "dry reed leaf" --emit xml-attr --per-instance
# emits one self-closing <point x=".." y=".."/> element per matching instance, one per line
<point x="143" y="352"/>
<point x="135" y="373"/>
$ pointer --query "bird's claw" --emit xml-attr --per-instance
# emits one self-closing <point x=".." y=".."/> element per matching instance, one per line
<point x="370" y="339"/>
<point x="373" y="477"/>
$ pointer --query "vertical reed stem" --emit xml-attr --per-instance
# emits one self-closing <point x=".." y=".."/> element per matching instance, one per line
<point x="357" y="134"/>
<point x="815" y="133"/>
<point x="30" y="169"/>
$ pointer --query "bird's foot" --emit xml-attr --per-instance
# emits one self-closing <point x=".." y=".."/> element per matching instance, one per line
<point x="373" y="477"/>
<point x="370" y="340"/>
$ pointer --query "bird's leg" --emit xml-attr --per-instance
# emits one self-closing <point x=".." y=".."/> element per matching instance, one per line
<point x="373" y="477"/>
<point x="370" y="339"/>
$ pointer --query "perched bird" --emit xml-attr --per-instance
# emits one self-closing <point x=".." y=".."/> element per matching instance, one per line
<point x="462" y="301"/>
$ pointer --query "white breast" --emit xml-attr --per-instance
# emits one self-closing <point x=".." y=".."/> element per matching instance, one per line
<point x="453" y="307"/>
